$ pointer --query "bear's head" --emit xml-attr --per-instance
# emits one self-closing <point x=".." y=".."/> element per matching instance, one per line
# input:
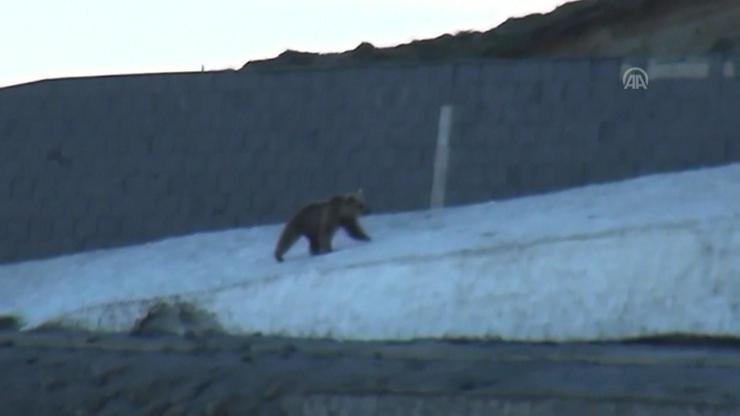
<point x="352" y="204"/>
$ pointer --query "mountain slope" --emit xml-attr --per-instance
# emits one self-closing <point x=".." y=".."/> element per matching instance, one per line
<point x="664" y="28"/>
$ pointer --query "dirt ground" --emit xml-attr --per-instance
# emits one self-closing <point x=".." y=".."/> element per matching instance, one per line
<point x="70" y="373"/>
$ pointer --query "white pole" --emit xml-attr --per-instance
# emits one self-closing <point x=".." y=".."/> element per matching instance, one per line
<point x="441" y="158"/>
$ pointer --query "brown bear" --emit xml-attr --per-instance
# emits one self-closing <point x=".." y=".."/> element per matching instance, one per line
<point x="318" y="221"/>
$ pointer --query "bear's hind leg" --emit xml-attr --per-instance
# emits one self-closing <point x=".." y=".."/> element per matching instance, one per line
<point x="314" y="246"/>
<point x="287" y="238"/>
<point x="325" y="243"/>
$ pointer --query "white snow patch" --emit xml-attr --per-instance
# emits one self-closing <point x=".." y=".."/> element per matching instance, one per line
<point x="649" y="256"/>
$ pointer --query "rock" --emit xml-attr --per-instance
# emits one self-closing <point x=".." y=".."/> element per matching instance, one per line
<point x="181" y="319"/>
<point x="9" y="323"/>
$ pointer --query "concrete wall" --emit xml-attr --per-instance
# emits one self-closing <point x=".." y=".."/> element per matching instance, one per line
<point x="101" y="162"/>
<point x="528" y="128"/>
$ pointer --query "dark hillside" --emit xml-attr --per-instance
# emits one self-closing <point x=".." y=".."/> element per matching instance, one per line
<point x="580" y="28"/>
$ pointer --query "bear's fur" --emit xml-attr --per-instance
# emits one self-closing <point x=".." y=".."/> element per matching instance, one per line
<point x="318" y="221"/>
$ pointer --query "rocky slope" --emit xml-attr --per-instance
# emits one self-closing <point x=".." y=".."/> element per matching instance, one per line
<point x="663" y="28"/>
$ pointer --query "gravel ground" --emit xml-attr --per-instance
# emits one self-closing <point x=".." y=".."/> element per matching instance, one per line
<point x="70" y="373"/>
